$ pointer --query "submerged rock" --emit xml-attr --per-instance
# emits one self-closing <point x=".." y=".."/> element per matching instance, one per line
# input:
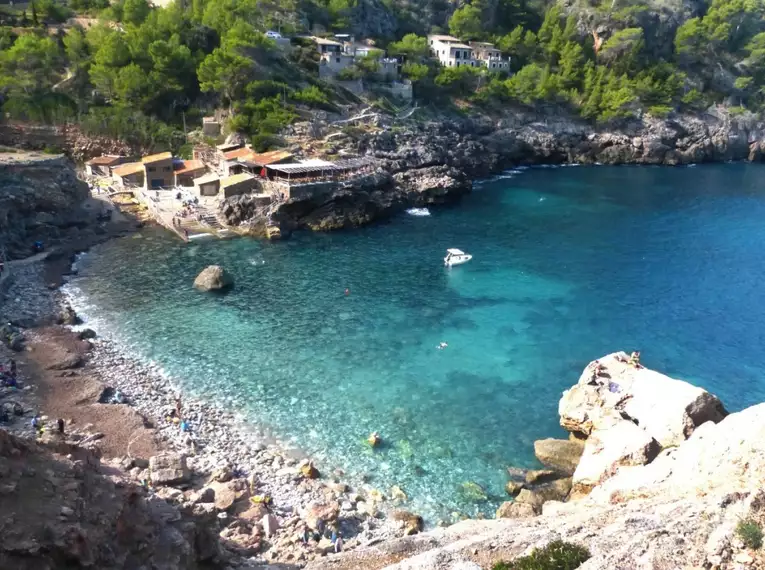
<point x="472" y="492"/>
<point x="213" y="278"/>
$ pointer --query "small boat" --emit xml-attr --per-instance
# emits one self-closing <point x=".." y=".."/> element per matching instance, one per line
<point x="456" y="257"/>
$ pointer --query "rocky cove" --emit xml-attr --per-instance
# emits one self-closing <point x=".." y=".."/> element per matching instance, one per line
<point x="434" y="162"/>
<point x="655" y="472"/>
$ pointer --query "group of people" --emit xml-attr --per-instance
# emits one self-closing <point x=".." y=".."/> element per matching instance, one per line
<point x="331" y="532"/>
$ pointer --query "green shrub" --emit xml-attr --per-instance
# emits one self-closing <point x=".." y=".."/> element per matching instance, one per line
<point x="557" y="555"/>
<point x="52" y="149"/>
<point x="750" y="533"/>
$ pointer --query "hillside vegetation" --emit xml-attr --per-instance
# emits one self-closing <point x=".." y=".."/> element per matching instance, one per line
<point x="139" y="72"/>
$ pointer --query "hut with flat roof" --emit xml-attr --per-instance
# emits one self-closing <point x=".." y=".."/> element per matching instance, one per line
<point x="242" y="183"/>
<point x="159" y="170"/>
<point x="102" y="165"/>
<point x="207" y="185"/>
<point x="130" y="174"/>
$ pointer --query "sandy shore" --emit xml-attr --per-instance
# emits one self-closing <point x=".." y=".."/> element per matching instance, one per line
<point x="64" y="376"/>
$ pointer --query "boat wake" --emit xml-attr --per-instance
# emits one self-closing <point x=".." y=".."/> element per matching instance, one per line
<point x="418" y="212"/>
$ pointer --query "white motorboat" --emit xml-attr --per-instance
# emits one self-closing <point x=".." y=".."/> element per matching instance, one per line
<point x="456" y="257"/>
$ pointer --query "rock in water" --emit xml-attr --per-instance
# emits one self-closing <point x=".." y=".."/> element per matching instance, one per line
<point x="213" y="278"/>
<point x="667" y="409"/>
<point x="168" y="469"/>
<point x="560" y="454"/>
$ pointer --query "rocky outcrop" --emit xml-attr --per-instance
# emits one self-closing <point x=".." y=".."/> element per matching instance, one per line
<point x="213" y="278"/>
<point x="680" y="510"/>
<point x="620" y="389"/>
<point x="560" y="454"/>
<point x="168" y="469"/>
<point x="61" y="510"/>
<point x="39" y="199"/>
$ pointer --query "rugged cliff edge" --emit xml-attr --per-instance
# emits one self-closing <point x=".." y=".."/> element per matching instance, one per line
<point x="676" y="508"/>
<point x="40" y="198"/>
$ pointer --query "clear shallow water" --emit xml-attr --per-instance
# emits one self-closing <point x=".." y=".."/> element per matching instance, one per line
<point x="569" y="264"/>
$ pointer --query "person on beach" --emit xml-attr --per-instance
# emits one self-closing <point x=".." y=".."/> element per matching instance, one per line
<point x="338" y="544"/>
<point x="13" y="367"/>
<point x="37" y="424"/>
<point x="178" y="407"/>
<point x="635" y="359"/>
<point x="60" y="424"/>
<point x="2" y="267"/>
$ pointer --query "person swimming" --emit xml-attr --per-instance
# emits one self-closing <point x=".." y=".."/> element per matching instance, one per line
<point x="442" y="345"/>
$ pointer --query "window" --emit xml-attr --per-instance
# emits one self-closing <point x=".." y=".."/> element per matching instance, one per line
<point x="166" y="168"/>
<point x="457" y="55"/>
<point x="337" y="59"/>
<point x="152" y="169"/>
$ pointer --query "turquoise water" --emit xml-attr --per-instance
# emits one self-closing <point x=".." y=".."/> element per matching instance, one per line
<point x="569" y="264"/>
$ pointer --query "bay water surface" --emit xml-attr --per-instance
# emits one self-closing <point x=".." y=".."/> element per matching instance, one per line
<point x="569" y="264"/>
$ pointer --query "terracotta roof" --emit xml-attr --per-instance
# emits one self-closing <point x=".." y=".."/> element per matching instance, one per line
<point x="104" y="160"/>
<point x="127" y="169"/>
<point x="270" y="157"/>
<point x="236" y="179"/>
<point x="157" y="157"/>
<point x="186" y="166"/>
<point x="238" y="153"/>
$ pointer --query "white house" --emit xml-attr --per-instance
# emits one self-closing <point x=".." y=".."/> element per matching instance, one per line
<point x="489" y="56"/>
<point x="451" y="52"/>
<point x="324" y="45"/>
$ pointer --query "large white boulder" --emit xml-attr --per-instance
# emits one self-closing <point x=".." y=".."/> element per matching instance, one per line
<point x="667" y="409"/>
<point x="616" y="442"/>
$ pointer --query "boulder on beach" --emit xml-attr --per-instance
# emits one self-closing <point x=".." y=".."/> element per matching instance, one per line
<point x="411" y="523"/>
<point x="668" y="410"/>
<point x="213" y="278"/>
<point x="535" y="477"/>
<point x="168" y="469"/>
<point x="512" y="488"/>
<point x="559" y="454"/>
<point x="318" y="515"/>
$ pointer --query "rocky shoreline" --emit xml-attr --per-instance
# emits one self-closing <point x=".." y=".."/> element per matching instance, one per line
<point x="255" y="481"/>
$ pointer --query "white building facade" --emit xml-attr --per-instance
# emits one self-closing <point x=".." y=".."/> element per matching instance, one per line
<point x="451" y="52"/>
<point x="489" y="56"/>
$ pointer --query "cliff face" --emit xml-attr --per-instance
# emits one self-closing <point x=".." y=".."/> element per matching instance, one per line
<point x="39" y="196"/>
<point x="678" y="511"/>
<point x="483" y="145"/>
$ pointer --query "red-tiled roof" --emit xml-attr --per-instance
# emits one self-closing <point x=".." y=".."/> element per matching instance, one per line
<point x="238" y="153"/>
<point x="270" y="157"/>
<point x="187" y="166"/>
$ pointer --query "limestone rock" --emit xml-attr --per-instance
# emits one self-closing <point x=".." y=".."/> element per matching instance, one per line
<point x="213" y="278"/>
<point x="632" y="392"/>
<point x="513" y="487"/>
<point x="318" y="515"/>
<point x="411" y="523"/>
<point x="535" y="477"/>
<point x="559" y="454"/>
<point x="515" y="510"/>
<point x="612" y="445"/>
<point x="270" y="525"/>
<point x="168" y="469"/>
